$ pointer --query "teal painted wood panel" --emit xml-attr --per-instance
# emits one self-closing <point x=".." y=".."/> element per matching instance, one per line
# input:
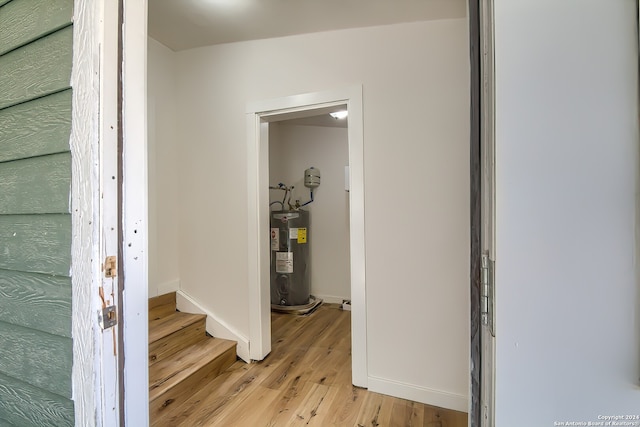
<point x="26" y="406"/>
<point x="36" y="128"/>
<point x="37" y="69"/>
<point x="36" y="348"/>
<point x="48" y="365"/>
<point x="23" y="21"/>
<point x="37" y="301"/>
<point x="36" y="186"/>
<point x="36" y="243"/>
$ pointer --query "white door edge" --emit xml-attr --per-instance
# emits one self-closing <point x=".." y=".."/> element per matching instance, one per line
<point x="487" y="334"/>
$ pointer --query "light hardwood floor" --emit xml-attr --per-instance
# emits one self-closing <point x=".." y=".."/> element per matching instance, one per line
<point x="306" y="380"/>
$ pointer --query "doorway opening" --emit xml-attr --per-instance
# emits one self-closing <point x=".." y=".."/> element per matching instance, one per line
<point x="259" y="117"/>
<point x="309" y="200"/>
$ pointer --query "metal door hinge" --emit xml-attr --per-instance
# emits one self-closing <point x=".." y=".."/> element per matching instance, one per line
<point x="487" y="291"/>
<point x="108" y="317"/>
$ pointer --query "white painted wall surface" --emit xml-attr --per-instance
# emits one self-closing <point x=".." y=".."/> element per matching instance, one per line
<point x="415" y="80"/>
<point x="164" y="178"/>
<point x="293" y="149"/>
<point x="568" y="336"/>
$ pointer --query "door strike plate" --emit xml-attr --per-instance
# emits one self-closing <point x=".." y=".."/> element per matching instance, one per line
<point x="110" y="267"/>
<point x="109" y="317"/>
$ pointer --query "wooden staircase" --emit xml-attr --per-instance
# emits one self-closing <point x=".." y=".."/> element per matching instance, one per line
<point x="182" y="357"/>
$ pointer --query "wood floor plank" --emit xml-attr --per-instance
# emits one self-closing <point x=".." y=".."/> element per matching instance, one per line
<point x="314" y="407"/>
<point x="200" y="366"/>
<point x="288" y="401"/>
<point x="369" y="414"/>
<point x="438" y="417"/>
<point x="384" y="416"/>
<point x="453" y="418"/>
<point x="309" y="331"/>
<point x="338" y="334"/>
<point x="346" y="405"/>
<point x="306" y="380"/>
<point x="207" y="404"/>
<point x="343" y="377"/>
<point x="287" y="368"/>
<point x="404" y="413"/>
<point x="238" y="398"/>
<point x="251" y="411"/>
<point x="417" y="415"/>
<point x="323" y="364"/>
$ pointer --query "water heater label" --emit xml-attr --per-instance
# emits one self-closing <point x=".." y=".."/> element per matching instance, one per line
<point x="275" y="239"/>
<point x="293" y="233"/>
<point x="302" y="235"/>
<point x="284" y="262"/>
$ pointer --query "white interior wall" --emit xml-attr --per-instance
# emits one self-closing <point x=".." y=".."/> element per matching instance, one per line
<point x="163" y="146"/>
<point x="292" y="149"/>
<point x="415" y="79"/>
<point x="567" y="315"/>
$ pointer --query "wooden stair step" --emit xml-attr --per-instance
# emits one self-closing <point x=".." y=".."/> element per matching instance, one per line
<point x="162" y="305"/>
<point x="173" y="333"/>
<point x="168" y="325"/>
<point x="173" y="380"/>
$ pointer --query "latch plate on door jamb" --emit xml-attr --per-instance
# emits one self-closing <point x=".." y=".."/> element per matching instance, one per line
<point x="108" y="317"/>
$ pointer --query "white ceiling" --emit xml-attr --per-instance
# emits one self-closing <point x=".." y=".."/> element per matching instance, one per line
<point x="186" y="24"/>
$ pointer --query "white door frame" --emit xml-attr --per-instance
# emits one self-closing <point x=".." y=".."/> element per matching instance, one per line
<point x="94" y="375"/>
<point x="94" y="144"/>
<point x="108" y="208"/>
<point x="97" y="391"/>
<point x="135" y="214"/>
<point x="258" y="116"/>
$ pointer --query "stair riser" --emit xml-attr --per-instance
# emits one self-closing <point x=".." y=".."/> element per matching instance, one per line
<point x="171" y="344"/>
<point x="161" y="311"/>
<point x="162" y="305"/>
<point x="183" y="390"/>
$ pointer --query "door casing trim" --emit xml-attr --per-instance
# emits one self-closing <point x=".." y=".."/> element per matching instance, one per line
<point x="258" y="115"/>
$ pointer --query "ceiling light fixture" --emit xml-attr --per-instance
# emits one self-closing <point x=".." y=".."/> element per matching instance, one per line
<point x="342" y="114"/>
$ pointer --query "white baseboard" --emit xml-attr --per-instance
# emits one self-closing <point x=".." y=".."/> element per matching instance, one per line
<point x="215" y="326"/>
<point x="330" y="299"/>
<point x="442" y="399"/>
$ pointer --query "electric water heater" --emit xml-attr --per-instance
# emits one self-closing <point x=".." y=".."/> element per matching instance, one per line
<point x="290" y="269"/>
